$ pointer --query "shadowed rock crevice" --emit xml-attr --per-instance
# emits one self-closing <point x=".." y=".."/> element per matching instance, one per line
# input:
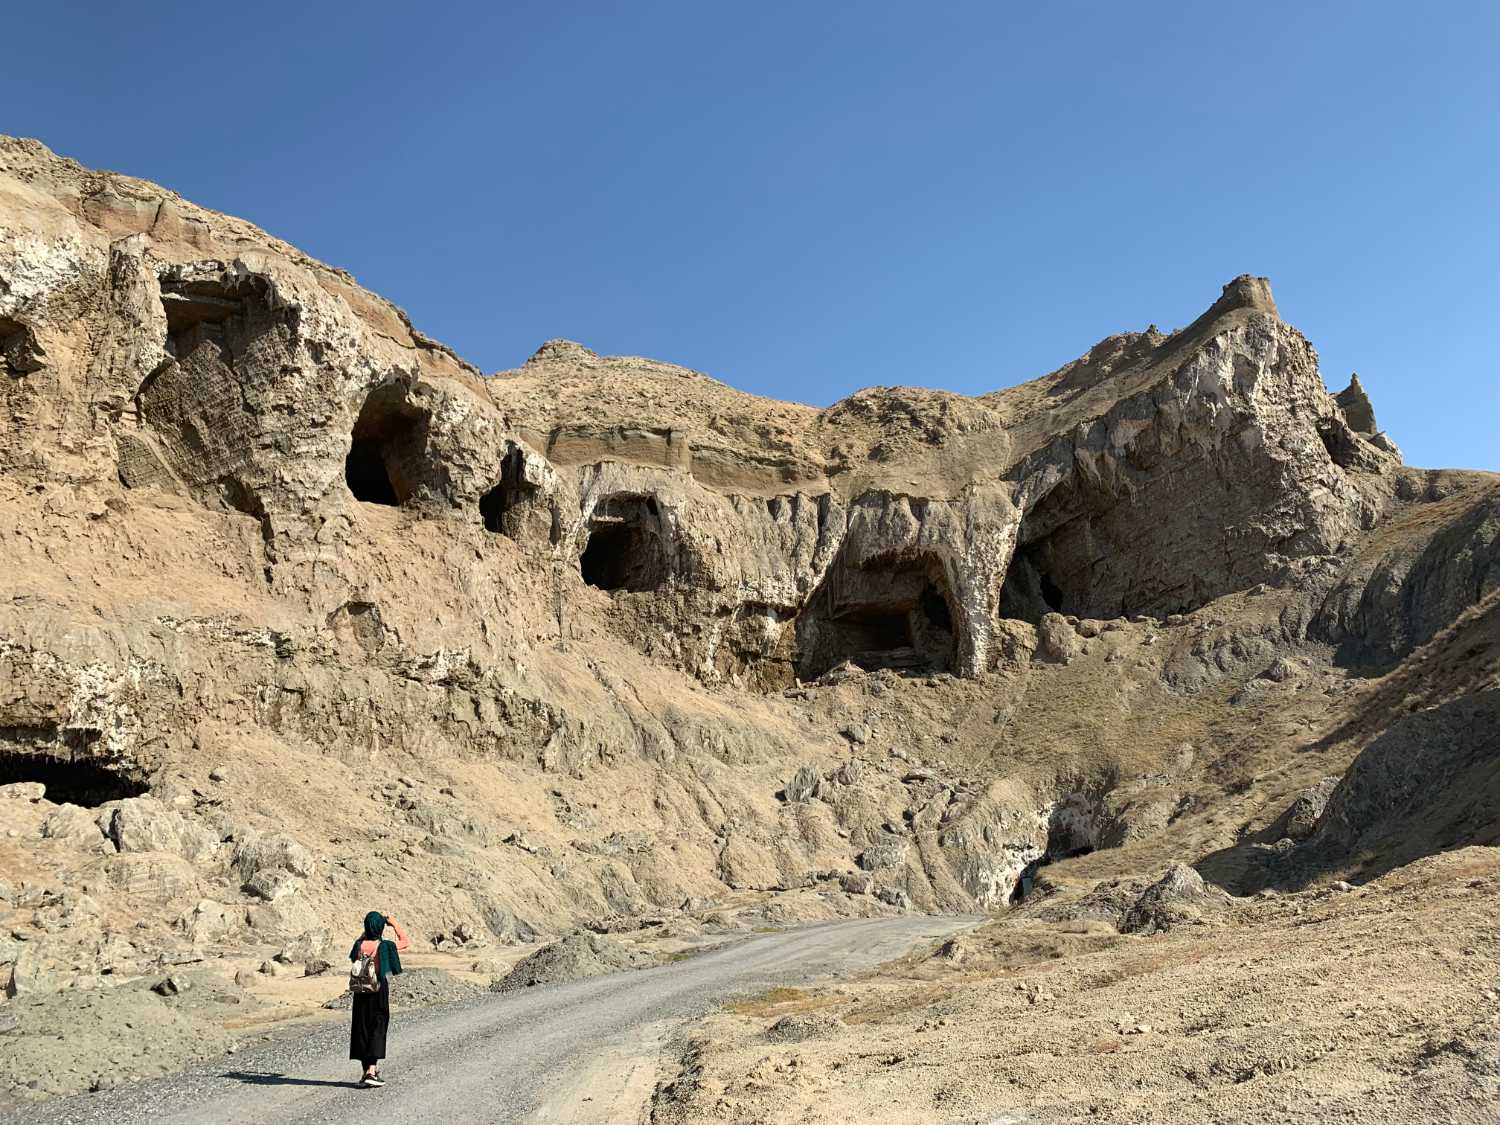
<point x="20" y="354"/>
<point x="501" y="507"/>
<point x="892" y="612"/>
<point x="206" y="304"/>
<point x="386" y="448"/>
<point x="626" y="547"/>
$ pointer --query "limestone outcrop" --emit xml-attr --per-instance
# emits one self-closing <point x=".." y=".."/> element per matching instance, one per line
<point x="299" y="607"/>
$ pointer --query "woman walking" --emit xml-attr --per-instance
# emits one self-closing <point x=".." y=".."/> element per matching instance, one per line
<point x="372" y="1009"/>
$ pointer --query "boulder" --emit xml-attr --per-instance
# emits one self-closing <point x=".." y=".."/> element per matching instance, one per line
<point x="307" y="946"/>
<point x="1180" y="897"/>
<point x="1301" y="816"/>
<point x="856" y="882"/>
<point x="849" y="773"/>
<point x="804" y="785"/>
<point x="29" y="791"/>
<point x="75" y="825"/>
<point x="209" y="921"/>
<point x="1057" y="640"/>
<point x="29" y="975"/>
<point x="894" y="896"/>
<point x="857" y="733"/>
<point x="271" y="884"/>
<point x="884" y="852"/>
<point x="274" y="851"/>
<point x="144" y="824"/>
<point x="1016" y="641"/>
<point x="1281" y="670"/>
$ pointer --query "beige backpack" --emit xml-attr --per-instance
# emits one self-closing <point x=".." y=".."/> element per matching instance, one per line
<point x="365" y="975"/>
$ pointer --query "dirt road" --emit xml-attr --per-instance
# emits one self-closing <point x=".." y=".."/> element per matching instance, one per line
<point x="579" y="1053"/>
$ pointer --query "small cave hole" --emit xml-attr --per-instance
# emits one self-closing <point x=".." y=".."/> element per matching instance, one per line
<point x="625" y="549"/>
<point x="214" y="311"/>
<point x="60" y="761"/>
<point x="501" y="505"/>
<point x="1071" y="833"/>
<point x="935" y="609"/>
<point x="1339" y="442"/>
<point x="20" y="354"/>
<point x="388" y="437"/>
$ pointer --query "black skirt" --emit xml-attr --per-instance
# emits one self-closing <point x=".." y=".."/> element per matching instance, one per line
<point x="372" y="1016"/>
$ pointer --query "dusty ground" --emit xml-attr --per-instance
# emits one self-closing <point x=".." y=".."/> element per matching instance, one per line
<point x="1377" y="1004"/>
<point x="582" y="1053"/>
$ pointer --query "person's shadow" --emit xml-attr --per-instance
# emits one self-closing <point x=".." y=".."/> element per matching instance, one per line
<point x="266" y="1078"/>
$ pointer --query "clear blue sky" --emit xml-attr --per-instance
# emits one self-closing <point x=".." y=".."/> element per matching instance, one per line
<point x="807" y="198"/>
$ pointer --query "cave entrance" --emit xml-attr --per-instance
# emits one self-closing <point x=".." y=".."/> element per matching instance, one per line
<point x="499" y="508"/>
<point x="200" y="309"/>
<point x="1030" y="591"/>
<point x="387" y="440"/>
<point x="1071" y="833"/>
<point x="60" y="761"/>
<point x="625" y="549"/>
<point x="888" y="613"/>
<point x="1052" y="570"/>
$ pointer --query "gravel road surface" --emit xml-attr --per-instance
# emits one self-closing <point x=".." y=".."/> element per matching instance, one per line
<point x="504" y="1059"/>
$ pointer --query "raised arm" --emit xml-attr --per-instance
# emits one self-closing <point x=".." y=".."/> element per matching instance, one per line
<point x="401" y="939"/>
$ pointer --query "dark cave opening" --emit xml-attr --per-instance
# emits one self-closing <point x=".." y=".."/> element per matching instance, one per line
<point x="935" y="609"/>
<point x="1052" y="597"/>
<point x="889" y="613"/>
<point x="625" y="550"/>
<point x="1052" y="570"/>
<point x="60" y="761"/>
<point x="1026" y="881"/>
<point x="388" y="435"/>
<point x="499" y="507"/>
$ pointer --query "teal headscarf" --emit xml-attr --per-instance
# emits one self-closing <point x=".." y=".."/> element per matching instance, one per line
<point x="389" y="960"/>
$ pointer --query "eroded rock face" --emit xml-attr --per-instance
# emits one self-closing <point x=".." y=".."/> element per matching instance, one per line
<point x="759" y="541"/>
<point x="491" y="629"/>
<point x="1390" y="601"/>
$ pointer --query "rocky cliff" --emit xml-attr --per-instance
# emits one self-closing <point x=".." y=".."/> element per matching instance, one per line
<point x="300" y="612"/>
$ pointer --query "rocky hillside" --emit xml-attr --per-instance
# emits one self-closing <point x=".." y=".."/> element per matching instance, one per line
<point x="301" y="614"/>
